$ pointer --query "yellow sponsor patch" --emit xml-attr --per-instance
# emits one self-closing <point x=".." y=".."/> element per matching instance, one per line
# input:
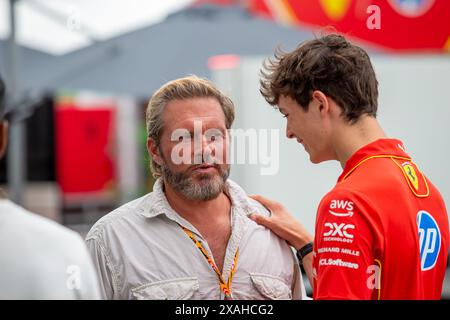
<point x="411" y="175"/>
<point x="447" y="45"/>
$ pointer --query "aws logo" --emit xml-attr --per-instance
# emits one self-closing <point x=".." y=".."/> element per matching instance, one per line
<point x="341" y="208"/>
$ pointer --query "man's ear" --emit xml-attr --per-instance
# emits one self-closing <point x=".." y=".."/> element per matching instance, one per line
<point x="321" y="99"/>
<point x="322" y="102"/>
<point x="153" y="151"/>
<point x="3" y="137"/>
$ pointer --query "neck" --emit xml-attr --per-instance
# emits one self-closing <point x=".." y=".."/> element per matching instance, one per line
<point x="199" y="211"/>
<point x="351" y="138"/>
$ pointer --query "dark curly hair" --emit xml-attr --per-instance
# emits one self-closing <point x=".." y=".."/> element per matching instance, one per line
<point x="331" y="64"/>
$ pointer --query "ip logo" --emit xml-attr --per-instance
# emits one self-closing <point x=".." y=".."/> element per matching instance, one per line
<point x="429" y="240"/>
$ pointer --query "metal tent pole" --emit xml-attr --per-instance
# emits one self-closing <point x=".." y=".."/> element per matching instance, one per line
<point x="16" y="164"/>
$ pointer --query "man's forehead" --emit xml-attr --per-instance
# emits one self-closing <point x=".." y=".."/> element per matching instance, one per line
<point x="184" y="113"/>
<point x="285" y="102"/>
<point x="193" y="106"/>
<point x="280" y="105"/>
<point x="189" y="122"/>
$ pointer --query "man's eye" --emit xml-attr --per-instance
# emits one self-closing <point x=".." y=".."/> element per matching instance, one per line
<point x="215" y="136"/>
<point x="184" y="137"/>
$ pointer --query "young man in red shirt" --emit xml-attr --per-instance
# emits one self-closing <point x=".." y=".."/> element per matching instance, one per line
<point x="382" y="232"/>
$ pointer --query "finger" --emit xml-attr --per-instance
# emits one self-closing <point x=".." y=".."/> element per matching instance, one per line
<point x="260" y="219"/>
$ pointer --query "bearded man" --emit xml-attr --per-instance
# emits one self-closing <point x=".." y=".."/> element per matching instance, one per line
<point x="190" y="238"/>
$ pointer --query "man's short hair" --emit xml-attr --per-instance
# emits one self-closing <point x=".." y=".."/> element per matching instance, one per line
<point x="331" y="64"/>
<point x="181" y="89"/>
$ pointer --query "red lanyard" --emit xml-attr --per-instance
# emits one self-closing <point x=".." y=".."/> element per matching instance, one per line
<point x="224" y="286"/>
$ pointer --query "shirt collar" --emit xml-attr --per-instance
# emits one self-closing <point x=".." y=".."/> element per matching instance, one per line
<point x="156" y="203"/>
<point x="378" y="148"/>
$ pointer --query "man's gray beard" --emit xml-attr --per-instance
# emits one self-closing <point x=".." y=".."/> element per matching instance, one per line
<point x="207" y="189"/>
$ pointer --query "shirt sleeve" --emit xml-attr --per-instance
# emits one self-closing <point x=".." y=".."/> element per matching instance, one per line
<point x="344" y="261"/>
<point x="298" y="288"/>
<point x="103" y="268"/>
<point x="90" y="282"/>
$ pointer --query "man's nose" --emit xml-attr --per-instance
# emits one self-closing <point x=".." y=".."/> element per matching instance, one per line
<point x="203" y="146"/>
<point x="202" y="143"/>
<point x="289" y="133"/>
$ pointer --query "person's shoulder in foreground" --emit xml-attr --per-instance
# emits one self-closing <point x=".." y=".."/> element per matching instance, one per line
<point x="41" y="259"/>
<point x="142" y="253"/>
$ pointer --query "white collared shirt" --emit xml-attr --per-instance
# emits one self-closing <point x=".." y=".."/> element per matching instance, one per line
<point x="141" y="252"/>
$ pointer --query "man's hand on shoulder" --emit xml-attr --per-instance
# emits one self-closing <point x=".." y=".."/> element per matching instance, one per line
<point x="282" y="223"/>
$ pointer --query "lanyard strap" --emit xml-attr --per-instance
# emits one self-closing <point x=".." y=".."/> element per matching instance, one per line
<point x="224" y="286"/>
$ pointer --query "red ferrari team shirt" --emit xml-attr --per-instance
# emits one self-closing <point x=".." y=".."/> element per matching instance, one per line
<point x="382" y="232"/>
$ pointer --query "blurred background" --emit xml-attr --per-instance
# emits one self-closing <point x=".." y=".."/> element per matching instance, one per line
<point x="79" y="75"/>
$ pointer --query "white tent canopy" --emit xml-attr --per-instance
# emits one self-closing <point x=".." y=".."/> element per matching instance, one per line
<point x="61" y="26"/>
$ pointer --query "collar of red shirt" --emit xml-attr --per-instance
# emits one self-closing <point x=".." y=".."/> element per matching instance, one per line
<point x="380" y="147"/>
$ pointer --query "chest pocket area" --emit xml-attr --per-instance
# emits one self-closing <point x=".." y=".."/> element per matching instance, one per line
<point x="174" y="289"/>
<point x="271" y="287"/>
